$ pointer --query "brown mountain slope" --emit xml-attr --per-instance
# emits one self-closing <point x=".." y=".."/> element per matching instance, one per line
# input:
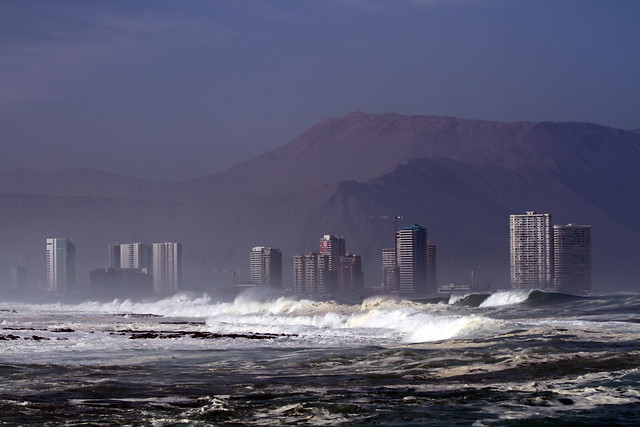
<point x="361" y="146"/>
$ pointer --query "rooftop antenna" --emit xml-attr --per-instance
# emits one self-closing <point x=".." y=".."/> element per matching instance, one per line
<point x="395" y="222"/>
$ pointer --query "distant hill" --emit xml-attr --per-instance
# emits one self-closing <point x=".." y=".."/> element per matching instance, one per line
<point x="361" y="146"/>
<point x="459" y="178"/>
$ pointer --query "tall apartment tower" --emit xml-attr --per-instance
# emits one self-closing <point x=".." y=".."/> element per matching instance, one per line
<point x="531" y="250"/>
<point x="266" y="266"/>
<point x="411" y="256"/>
<point x="350" y="276"/>
<point x="114" y="256"/>
<point x="572" y="258"/>
<point x="167" y="268"/>
<point x="60" y="265"/>
<point x="389" y="269"/>
<point x="310" y="273"/>
<point x="334" y="247"/>
<point x="135" y="255"/>
<point x="432" y="284"/>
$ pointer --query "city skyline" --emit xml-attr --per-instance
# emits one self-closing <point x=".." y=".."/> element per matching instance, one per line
<point x="445" y="111"/>
<point x="542" y="255"/>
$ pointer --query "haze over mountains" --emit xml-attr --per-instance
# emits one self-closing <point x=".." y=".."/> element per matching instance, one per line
<point x="459" y="178"/>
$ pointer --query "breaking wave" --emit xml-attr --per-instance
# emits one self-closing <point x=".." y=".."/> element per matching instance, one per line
<point x="511" y="297"/>
<point x="378" y="318"/>
<point x="533" y="297"/>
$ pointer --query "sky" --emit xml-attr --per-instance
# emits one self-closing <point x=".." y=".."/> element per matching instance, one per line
<point x="172" y="90"/>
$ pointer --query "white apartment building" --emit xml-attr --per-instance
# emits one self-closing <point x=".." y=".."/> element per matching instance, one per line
<point x="531" y="250"/>
<point x="411" y="256"/>
<point x="265" y="265"/>
<point x="60" y="264"/>
<point x="135" y="255"/>
<point x="167" y="268"/>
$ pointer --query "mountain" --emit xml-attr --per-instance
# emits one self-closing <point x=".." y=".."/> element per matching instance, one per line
<point x="459" y="178"/>
<point x="361" y="146"/>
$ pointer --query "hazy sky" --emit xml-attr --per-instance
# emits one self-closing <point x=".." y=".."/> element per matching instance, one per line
<point x="179" y="89"/>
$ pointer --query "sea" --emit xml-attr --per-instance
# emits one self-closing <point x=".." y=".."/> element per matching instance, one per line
<point x="517" y="357"/>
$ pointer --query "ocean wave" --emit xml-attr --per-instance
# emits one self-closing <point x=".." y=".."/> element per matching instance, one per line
<point x="389" y="318"/>
<point x="538" y="297"/>
<point x="532" y="297"/>
<point x="376" y="318"/>
<point x="500" y="298"/>
<point x="468" y="300"/>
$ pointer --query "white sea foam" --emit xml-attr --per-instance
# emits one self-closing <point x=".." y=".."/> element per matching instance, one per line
<point x="390" y="319"/>
<point x="374" y="319"/>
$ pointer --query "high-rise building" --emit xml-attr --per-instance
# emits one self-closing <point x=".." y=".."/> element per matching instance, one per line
<point x="350" y="277"/>
<point x="114" y="256"/>
<point x="334" y="247"/>
<point x="60" y="265"/>
<point x="135" y="255"/>
<point x="531" y="250"/>
<point x="310" y="273"/>
<point x="572" y="258"/>
<point x="389" y="270"/>
<point x="167" y="268"/>
<point x="432" y="284"/>
<point x="411" y="256"/>
<point x="298" y="274"/>
<point x="266" y="266"/>
<point x="256" y="265"/>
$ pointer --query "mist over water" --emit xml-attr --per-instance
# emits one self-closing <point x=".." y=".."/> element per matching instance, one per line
<point x="265" y="359"/>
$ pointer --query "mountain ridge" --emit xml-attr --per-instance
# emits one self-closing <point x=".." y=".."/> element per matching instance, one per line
<point x="360" y="146"/>
<point x="459" y="178"/>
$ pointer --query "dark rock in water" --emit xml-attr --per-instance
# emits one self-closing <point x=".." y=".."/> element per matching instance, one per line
<point x="37" y="338"/>
<point x="63" y="330"/>
<point x="9" y="337"/>
<point x="138" y="315"/>
<point x="146" y="334"/>
<point x="566" y="401"/>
